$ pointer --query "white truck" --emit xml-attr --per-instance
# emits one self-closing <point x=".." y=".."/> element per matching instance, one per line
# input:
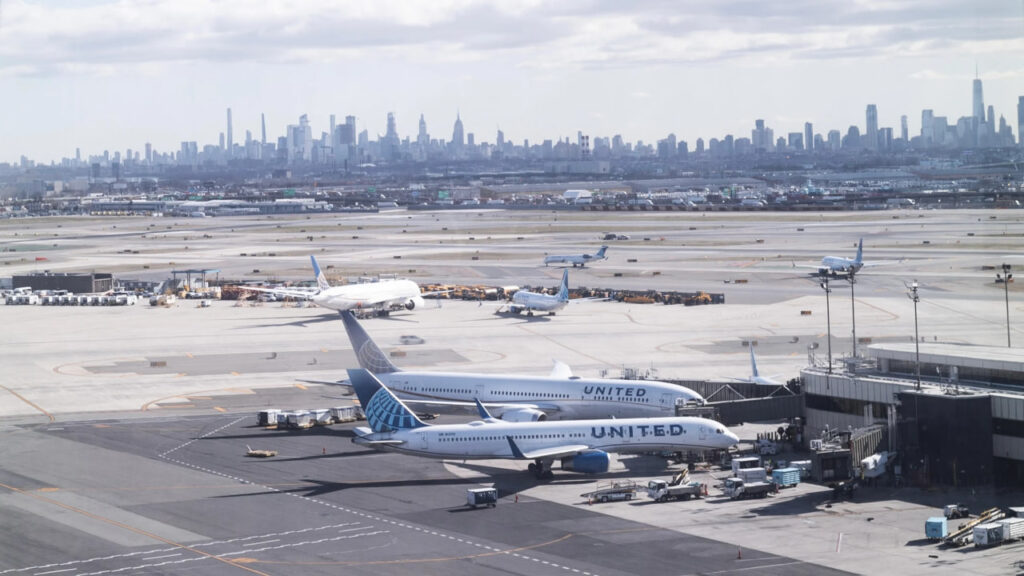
<point x="737" y="489"/>
<point x="662" y="491"/>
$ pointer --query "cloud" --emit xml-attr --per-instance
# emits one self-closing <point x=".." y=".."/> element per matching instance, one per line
<point x="90" y="38"/>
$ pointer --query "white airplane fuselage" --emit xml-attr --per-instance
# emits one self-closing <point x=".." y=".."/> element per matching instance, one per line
<point x="487" y="440"/>
<point x="560" y="398"/>
<point x="382" y="294"/>
<point x="536" y="301"/>
<point x="838" y="264"/>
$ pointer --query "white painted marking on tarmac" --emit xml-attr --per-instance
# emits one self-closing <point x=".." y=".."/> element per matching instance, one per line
<point x="55" y="571"/>
<point x="263" y="542"/>
<point x="164" y="556"/>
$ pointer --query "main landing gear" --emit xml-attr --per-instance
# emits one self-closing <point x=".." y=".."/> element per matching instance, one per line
<point x="541" y="470"/>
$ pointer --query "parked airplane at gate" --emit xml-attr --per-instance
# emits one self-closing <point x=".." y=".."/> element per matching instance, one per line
<point x="560" y="396"/>
<point x="755" y="375"/>
<point x="530" y="301"/>
<point x="582" y="446"/>
<point x="381" y="296"/>
<point x="580" y="260"/>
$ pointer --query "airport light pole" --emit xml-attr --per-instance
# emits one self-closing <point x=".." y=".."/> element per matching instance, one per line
<point x="828" y="318"/>
<point x="1006" y="277"/>
<point x="853" y="312"/>
<point x="917" y="341"/>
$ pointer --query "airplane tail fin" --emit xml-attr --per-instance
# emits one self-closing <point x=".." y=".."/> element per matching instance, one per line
<point x="369" y="355"/>
<point x="563" y="290"/>
<point x="321" y="279"/>
<point x="860" y="252"/>
<point x="600" y="253"/>
<point x="384" y="412"/>
<point x="753" y="363"/>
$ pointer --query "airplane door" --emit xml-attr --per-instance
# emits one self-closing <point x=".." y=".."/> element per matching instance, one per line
<point x="479" y="394"/>
<point x="702" y="432"/>
<point x="422" y="443"/>
<point x="666" y="402"/>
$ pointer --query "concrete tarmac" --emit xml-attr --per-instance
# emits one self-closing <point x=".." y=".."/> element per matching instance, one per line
<point x="124" y="429"/>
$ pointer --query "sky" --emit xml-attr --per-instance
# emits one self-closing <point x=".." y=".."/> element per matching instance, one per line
<point x="111" y="75"/>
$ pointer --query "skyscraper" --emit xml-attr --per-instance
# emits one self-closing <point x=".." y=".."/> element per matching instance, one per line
<point x="1020" y="121"/>
<point x="809" y="135"/>
<point x="979" y="102"/>
<point x="871" y="136"/>
<point x="927" y="131"/>
<point x="231" y="140"/>
<point x="423" y="138"/>
<point x="457" y="134"/>
<point x="263" y="129"/>
<point x="904" y="134"/>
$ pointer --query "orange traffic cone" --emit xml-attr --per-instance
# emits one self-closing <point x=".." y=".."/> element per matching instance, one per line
<point x="739" y="554"/>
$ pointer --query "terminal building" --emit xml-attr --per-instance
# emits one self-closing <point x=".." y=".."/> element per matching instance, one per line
<point x="961" y="424"/>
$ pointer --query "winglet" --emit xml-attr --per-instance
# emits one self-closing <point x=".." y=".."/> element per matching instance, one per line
<point x="563" y="290"/>
<point x="483" y="411"/>
<point x="369" y="355"/>
<point x="384" y="412"/>
<point x="515" y="449"/>
<point x="321" y="279"/>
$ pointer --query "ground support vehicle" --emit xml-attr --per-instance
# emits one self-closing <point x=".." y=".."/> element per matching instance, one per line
<point x="482" y="497"/>
<point x="611" y="491"/>
<point x="737" y="489"/>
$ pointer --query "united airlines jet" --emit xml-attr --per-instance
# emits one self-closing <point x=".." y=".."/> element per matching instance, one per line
<point x="522" y="398"/>
<point x="381" y="296"/>
<point x="582" y="446"/>
<point x="530" y="301"/>
<point x="580" y="260"/>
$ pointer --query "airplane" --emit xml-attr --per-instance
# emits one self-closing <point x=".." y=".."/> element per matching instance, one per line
<point x="757" y="378"/>
<point x="381" y="296"/>
<point x="530" y="301"/>
<point x="581" y="446"/>
<point x="560" y="396"/>
<point x="577" y="259"/>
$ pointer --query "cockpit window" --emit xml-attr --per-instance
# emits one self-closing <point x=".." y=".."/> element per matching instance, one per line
<point x="718" y="431"/>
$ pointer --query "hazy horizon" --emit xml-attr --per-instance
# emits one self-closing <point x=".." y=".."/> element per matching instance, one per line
<point x="106" y="75"/>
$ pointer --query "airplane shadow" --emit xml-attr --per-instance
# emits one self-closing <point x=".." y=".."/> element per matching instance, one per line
<point x="329" y="456"/>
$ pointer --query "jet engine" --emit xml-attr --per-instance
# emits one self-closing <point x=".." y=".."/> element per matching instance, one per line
<point x="593" y="462"/>
<point x="414" y="302"/>
<point x="524" y="415"/>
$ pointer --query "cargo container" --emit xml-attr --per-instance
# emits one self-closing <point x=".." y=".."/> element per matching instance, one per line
<point x="744" y="463"/>
<point x="750" y="475"/>
<point x="1013" y="529"/>
<point x="321" y="416"/>
<point x="300" y="419"/>
<point x="988" y="534"/>
<point x="785" y="477"/>
<point x="344" y="413"/>
<point x="481" y="497"/>
<point x="936" y="528"/>
<point x="267" y="417"/>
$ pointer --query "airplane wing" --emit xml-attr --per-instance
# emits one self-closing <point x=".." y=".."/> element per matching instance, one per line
<point x="291" y="293"/>
<point x="545" y="453"/>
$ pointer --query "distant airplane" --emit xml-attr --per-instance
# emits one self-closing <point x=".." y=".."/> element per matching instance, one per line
<point x="579" y="445"/>
<point x="756" y="377"/>
<point x="580" y="260"/>
<point x="382" y="296"/>
<point x="839" y="265"/>
<point x="530" y="301"/>
<point x="560" y="396"/>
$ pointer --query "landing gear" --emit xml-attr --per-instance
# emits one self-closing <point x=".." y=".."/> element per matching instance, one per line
<point x="541" y="470"/>
<point x="529" y="312"/>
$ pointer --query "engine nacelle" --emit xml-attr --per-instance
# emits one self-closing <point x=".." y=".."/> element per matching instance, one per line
<point x="414" y="302"/>
<point x="594" y="462"/>
<point x="524" y="415"/>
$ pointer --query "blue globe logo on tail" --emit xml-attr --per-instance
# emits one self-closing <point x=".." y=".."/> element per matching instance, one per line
<point x="384" y="412"/>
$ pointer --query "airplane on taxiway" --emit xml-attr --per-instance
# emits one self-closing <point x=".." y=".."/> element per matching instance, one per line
<point x="580" y="260"/>
<point x="381" y="296"/>
<point x="560" y="396"/>
<point x="524" y="300"/>
<point x="579" y="445"/>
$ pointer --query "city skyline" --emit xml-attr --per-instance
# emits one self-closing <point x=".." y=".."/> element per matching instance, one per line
<point x="167" y="71"/>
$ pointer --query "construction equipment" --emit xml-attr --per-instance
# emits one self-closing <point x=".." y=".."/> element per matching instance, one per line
<point x="964" y="533"/>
